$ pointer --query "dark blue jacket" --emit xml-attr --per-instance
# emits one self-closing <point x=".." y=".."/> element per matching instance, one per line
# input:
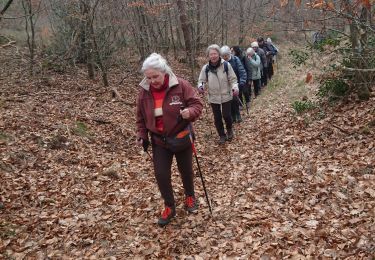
<point x="239" y="70"/>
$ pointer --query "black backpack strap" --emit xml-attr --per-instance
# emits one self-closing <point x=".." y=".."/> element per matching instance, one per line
<point x="207" y="69"/>
<point x="226" y="67"/>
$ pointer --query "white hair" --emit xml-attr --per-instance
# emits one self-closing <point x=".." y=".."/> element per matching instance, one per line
<point x="269" y="40"/>
<point x="250" y="51"/>
<point x="213" y="47"/>
<point x="157" y="62"/>
<point x="225" y="50"/>
<point x="254" y="44"/>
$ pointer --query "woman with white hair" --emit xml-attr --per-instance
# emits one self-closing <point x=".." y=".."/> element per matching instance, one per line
<point x="221" y="82"/>
<point x="166" y="107"/>
<point x="264" y="64"/>
<point x="241" y="75"/>
<point x="256" y="65"/>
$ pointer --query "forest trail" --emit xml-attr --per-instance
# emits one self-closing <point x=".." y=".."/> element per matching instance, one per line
<point x="288" y="186"/>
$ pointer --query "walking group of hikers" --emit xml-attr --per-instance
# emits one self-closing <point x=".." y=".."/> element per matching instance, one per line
<point x="167" y="105"/>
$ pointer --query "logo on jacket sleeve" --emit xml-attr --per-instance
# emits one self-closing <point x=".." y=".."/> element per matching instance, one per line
<point x="175" y="101"/>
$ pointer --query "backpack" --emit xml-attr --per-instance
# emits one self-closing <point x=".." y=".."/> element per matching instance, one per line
<point x="225" y="69"/>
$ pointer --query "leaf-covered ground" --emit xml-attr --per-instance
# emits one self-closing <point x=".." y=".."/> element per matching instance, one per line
<point x="74" y="186"/>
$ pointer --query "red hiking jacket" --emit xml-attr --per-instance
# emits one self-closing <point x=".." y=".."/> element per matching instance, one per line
<point x="179" y="93"/>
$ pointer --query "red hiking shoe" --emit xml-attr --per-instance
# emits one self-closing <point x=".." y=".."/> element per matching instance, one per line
<point x="191" y="204"/>
<point x="166" y="216"/>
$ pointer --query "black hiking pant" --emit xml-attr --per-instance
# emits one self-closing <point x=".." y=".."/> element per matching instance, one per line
<point x="235" y="109"/>
<point x="162" y="158"/>
<point x="245" y="91"/>
<point x="256" y="84"/>
<point x="264" y="77"/>
<point x="270" y="70"/>
<point x="221" y="111"/>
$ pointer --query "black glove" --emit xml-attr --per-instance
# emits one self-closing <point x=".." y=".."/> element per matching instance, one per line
<point x="145" y="144"/>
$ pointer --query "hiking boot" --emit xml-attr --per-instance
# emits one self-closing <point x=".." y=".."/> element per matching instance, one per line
<point x="239" y="119"/>
<point x="230" y="134"/>
<point x="166" y="216"/>
<point x="222" y="139"/>
<point x="248" y="105"/>
<point x="191" y="204"/>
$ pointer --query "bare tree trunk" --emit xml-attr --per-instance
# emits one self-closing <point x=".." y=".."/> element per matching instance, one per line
<point x="171" y="31"/>
<point x="226" y="21"/>
<point x="2" y="12"/>
<point x="178" y="31"/>
<point x="222" y="22"/>
<point x="88" y="43"/>
<point x="186" y="29"/>
<point x="95" y="46"/>
<point x="145" y="34"/>
<point x="207" y="24"/>
<point x="30" y="32"/>
<point x="242" y="21"/>
<point x="198" y="23"/>
<point x="82" y="35"/>
<point x="99" y="58"/>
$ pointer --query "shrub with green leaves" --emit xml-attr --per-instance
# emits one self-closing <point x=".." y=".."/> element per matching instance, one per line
<point x="333" y="88"/>
<point x="330" y="41"/>
<point x="303" y="106"/>
<point x="298" y="57"/>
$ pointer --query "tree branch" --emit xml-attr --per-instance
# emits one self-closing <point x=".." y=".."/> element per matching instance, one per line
<point x="5" y="8"/>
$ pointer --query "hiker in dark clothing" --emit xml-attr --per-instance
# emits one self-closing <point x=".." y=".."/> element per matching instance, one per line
<point x="221" y="83"/>
<point x="159" y="115"/>
<point x="264" y="63"/>
<point x="275" y="51"/>
<point x="269" y="52"/>
<point x="245" y="92"/>
<point x="241" y="79"/>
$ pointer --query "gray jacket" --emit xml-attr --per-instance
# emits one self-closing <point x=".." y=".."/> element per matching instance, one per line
<point x="255" y="64"/>
<point x="220" y="85"/>
<point x="263" y="58"/>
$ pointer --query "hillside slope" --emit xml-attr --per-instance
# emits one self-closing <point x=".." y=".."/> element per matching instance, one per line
<point x="73" y="184"/>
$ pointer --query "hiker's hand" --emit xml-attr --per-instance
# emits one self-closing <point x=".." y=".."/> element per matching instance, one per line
<point x="143" y="143"/>
<point x="185" y="113"/>
<point x="236" y="92"/>
<point x="201" y="89"/>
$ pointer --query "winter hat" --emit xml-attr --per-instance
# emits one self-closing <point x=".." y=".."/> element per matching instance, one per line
<point x="225" y="50"/>
<point x="269" y="40"/>
<point x="254" y="44"/>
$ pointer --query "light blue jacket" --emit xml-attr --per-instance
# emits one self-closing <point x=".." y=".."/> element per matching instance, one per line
<point x="255" y="64"/>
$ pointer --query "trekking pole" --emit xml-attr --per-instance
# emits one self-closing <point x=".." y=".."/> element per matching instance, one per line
<point x="241" y="103"/>
<point x="199" y="167"/>
<point x="247" y="107"/>
<point x="149" y="155"/>
<point x="145" y="147"/>
<point x="200" y="172"/>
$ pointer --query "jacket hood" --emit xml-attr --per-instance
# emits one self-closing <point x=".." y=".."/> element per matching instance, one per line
<point x="173" y="81"/>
